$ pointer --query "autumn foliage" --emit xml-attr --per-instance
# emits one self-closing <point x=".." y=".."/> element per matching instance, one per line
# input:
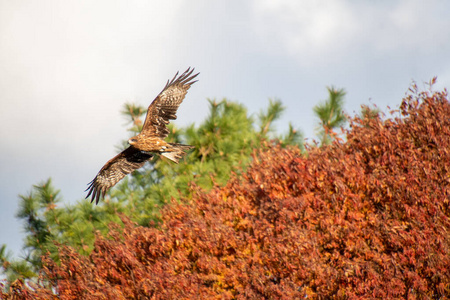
<point x="367" y="217"/>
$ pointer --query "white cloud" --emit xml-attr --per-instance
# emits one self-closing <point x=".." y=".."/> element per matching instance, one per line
<point x="413" y="24"/>
<point x="315" y="32"/>
<point x="305" y="29"/>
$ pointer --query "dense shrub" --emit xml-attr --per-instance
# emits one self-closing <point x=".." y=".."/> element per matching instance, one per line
<point x="364" y="218"/>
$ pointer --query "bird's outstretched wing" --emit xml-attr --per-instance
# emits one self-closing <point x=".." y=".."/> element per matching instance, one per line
<point x="165" y="106"/>
<point x="114" y="170"/>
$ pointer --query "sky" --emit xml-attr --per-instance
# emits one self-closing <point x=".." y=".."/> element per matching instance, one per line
<point x="67" y="68"/>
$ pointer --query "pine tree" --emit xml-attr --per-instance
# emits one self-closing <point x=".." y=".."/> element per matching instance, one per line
<point x="330" y="114"/>
<point x="39" y="212"/>
<point x="13" y="269"/>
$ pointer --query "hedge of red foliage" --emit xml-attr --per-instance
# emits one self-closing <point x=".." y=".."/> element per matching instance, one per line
<point x="364" y="218"/>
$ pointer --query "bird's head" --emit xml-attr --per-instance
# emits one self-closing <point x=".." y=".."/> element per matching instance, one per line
<point x="133" y="140"/>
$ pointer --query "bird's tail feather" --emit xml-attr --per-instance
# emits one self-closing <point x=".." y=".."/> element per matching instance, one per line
<point x="176" y="152"/>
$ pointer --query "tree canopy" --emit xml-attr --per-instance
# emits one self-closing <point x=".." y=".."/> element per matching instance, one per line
<point x="366" y="216"/>
<point x="331" y="114"/>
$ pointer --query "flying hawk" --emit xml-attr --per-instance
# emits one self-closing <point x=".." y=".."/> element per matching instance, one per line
<point x="150" y="140"/>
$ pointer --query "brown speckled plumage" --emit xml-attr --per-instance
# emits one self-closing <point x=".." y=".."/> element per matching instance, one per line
<point x="150" y="140"/>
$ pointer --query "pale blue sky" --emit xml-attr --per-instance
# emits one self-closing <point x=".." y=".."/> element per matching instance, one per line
<point x="67" y="67"/>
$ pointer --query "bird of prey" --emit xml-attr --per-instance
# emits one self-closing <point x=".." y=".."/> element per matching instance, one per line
<point x="150" y="140"/>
